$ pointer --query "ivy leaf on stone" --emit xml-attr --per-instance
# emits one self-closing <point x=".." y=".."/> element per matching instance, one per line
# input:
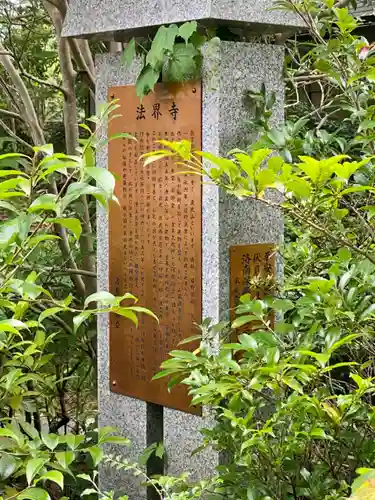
<point x="162" y="44"/>
<point x="187" y="29"/>
<point x="182" y="64"/>
<point x="129" y="53"/>
<point x="146" y="81"/>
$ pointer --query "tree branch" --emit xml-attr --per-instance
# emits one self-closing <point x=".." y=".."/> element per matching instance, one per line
<point x="42" y="82"/>
<point x="38" y="309"/>
<point x="15" y="136"/>
<point x="11" y="114"/>
<point x="31" y="117"/>
<point x="81" y="62"/>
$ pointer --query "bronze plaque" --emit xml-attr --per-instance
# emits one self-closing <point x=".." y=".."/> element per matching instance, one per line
<point x="252" y="271"/>
<point x="155" y="239"/>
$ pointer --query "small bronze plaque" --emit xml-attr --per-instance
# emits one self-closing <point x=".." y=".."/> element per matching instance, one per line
<point x="252" y="270"/>
<point x="155" y="239"/>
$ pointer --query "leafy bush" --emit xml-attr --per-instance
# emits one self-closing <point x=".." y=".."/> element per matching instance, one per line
<point x="35" y="221"/>
<point x="294" y="402"/>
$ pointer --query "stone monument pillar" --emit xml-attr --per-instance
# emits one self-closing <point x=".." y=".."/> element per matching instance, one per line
<point x="138" y="409"/>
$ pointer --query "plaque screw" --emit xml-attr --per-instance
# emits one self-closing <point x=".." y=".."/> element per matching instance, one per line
<point x="112" y="96"/>
<point x="194" y="91"/>
<point x="114" y="383"/>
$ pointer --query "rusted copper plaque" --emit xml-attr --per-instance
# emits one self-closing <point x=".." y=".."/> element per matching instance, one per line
<point x="154" y="239"/>
<point x="252" y="271"/>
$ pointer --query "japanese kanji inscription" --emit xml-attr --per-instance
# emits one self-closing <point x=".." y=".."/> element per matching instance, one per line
<point x="154" y="238"/>
<point x="252" y="270"/>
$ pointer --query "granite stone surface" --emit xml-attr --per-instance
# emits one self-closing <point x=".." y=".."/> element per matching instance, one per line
<point x="229" y="71"/>
<point x="119" y="19"/>
<point x="128" y="415"/>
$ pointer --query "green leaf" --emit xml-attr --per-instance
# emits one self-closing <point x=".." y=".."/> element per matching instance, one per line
<point x="318" y="432"/>
<point x="33" y="242"/>
<point x="54" y="476"/>
<point x="49" y="312"/>
<point x="11" y="325"/>
<point x="282" y="305"/>
<point x="193" y="338"/>
<point x="160" y="450"/>
<point x="74" y="441"/>
<point x="299" y="187"/>
<point x="362" y="481"/>
<point x="293" y="384"/>
<point x="322" y="357"/>
<point x="158" y="155"/>
<point x="105" y="298"/>
<point x="248" y="341"/>
<point x="105" y="431"/>
<point x="265" y="339"/>
<point x="96" y="454"/>
<point x="33" y="467"/>
<point x="24" y="224"/>
<point x="65" y="458"/>
<point x="9" y="184"/>
<point x="322" y="285"/>
<point x="187" y="29"/>
<point x="76" y="190"/>
<point x="243" y="320"/>
<point x="344" y="254"/>
<point x="50" y="440"/>
<point x="122" y="135"/>
<point x="8" y="232"/>
<point x="277" y="137"/>
<point x="104" y="179"/>
<point x="80" y="318"/>
<point x="8" y="206"/>
<point x="182" y="64"/>
<point x="310" y="167"/>
<point x="265" y="179"/>
<point x="129" y="53"/>
<point x="162" y="43"/>
<point x="140" y="309"/>
<point x="146" y="81"/>
<point x="8" y="465"/>
<point x="6" y="173"/>
<point x="28" y="428"/>
<point x="338" y="365"/>
<point x="85" y="477"/>
<point x="4" y="432"/>
<point x="116" y="440"/>
<point x="89" y="491"/>
<point x="74" y="225"/>
<point x="33" y="494"/>
<point x="126" y="313"/>
<point x="44" y="202"/>
<point x="368" y="313"/>
<point x="185" y="355"/>
<point x="344" y="341"/>
<point x="147" y="453"/>
<point x="32" y="291"/>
